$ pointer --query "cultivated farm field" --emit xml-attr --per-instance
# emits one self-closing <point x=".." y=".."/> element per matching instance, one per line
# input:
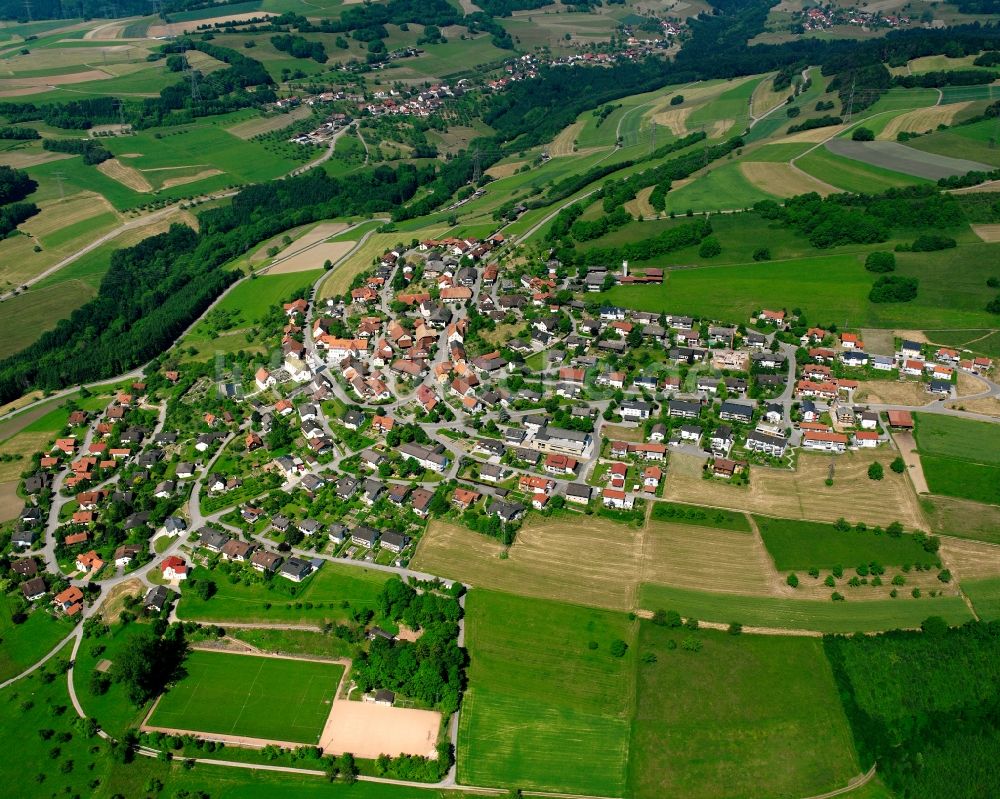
<point x="238" y="695"/>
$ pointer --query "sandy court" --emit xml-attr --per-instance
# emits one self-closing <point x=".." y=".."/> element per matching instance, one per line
<point x="160" y="31"/>
<point x="907" y="446"/>
<point x="10" y="502"/>
<point x="893" y="392"/>
<point x="913" y="335"/>
<point x="180" y="181"/>
<point x="126" y="175"/>
<point x="563" y="143"/>
<point x="368" y="730"/>
<point x="922" y="120"/>
<point x="990" y="233"/>
<point x="675" y="119"/>
<point x="814" y="136"/>
<point x="783" y="180"/>
<point x="803" y="494"/>
<point x="971" y="560"/>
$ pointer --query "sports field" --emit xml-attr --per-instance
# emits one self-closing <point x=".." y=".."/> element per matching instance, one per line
<point x="545" y="708"/>
<point x="740" y="717"/>
<point x="960" y="457"/>
<point x="249" y="696"/>
<point x="801" y="614"/>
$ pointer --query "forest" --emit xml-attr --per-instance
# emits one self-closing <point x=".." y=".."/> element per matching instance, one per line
<point x="925" y="705"/>
<point x="431" y="669"/>
<point x="15" y="185"/>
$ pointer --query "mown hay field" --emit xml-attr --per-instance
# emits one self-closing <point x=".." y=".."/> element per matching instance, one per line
<point x="591" y="560"/>
<point x="783" y="180"/>
<point x="803" y="493"/>
<point x="545" y="708"/>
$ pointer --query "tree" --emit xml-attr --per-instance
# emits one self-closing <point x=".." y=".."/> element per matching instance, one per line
<point x="880" y="262"/>
<point x="618" y="648"/>
<point x="792" y="580"/>
<point x="146" y="666"/>
<point x="893" y="288"/>
<point x="735" y="628"/>
<point x="875" y="471"/>
<point x="898" y="465"/>
<point x="934" y="626"/>
<point x="710" y="247"/>
<point x="863" y="134"/>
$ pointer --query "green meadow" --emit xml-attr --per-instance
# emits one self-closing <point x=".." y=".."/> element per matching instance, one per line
<point x="985" y="597"/>
<point x="741" y="716"/>
<point x="960" y="457"/>
<point x="322" y="597"/>
<point x="21" y="645"/>
<point x="548" y="705"/>
<point x="803" y="614"/>
<point x="850" y="175"/>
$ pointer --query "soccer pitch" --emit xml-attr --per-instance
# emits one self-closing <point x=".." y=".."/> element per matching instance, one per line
<point x="277" y="699"/>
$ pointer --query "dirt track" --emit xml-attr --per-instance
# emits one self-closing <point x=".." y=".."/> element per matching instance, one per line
<point x="907" y="446"/>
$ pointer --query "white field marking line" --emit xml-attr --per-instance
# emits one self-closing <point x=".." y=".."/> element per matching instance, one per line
<point x="260" y="668"/>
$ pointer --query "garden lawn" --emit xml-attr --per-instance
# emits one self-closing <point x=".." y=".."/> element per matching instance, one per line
<point x="544" y="710"/>
<point x="322" y="597"/>
<point x="803" y="614"/>
<point x="796" y="544"/>
<point x="22" y="645"/>
<point x="257" y="697"/>
<point x="748" y="716"/>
